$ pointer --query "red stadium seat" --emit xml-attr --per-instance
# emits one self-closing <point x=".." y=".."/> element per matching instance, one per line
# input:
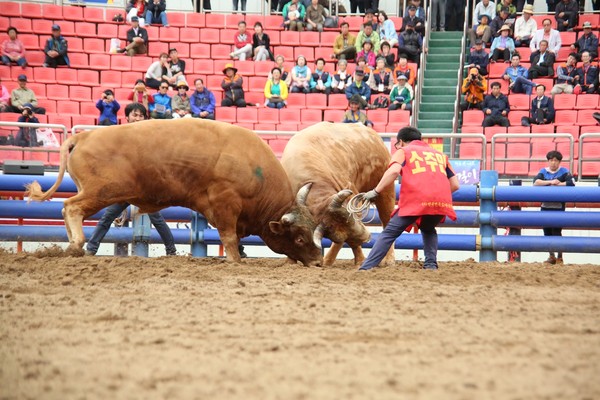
<point x="590" y="168"/>
<point x="226" y="114"/>
<point x="590" y="129"/>
<point x="594" y="19"/>
<point x="195" y="20"/>
<point x="514" y="117"/>
<point x="155" y="48"/>
<point x="269" y="115"/>
<point x="324" y="53"/>
<point x="100" y="61"/>
<point x="94" y="45"/>
<point x="52" y="12"/>
<point x="31" y="42"/>
<point x="176" y="18"/>
<point x="490" y="131"/>
<point x="22" y="24"/>
<point x="10" y="9"/>
<point x="265" y="127"/>
<point x="333" y="115"/>
<point x="247" y="115"/>
<point x="379" y="117"/>
<point x="200" y="50"/>
<point x="273" y="23"/>
<point x="257" y="83"/>
<point x="519" y="102"/>
<point x="503" y="85"/>
<point x="66" y="76"/>
<point x="213" y="82"/>
<point x="549" y="128"/>
<point x="140" y="63"/>
<point x="399" y="117"/>
<point x="189" y="35"/>
<point x="215" y="20"/>
<point x="208" y="35"/>
<point x="94" y="14"/>
<point x="338" y="101"/>
<point x="87" y="77"/>
<point x="584" y="117"/>
<point x="286" y="51"/>
<point x="30" y="10"/>
<point x="108" y="31"/>
<point x="311" y="116"/>
<point x="67" y="28"/>
<point x="245" y="68"/>
<point x="565" y="117"/>
<point x="275" y="38"/>
<point x="470" y="150"/>
<point x="278" y="146"/>
<point x="203" y="66"/>
<point x="169" y="34"/>
<point x="587" y="101"/>
<point x="44" y="75"/>
<point x="120" y="62"/>
<point x="73" y="13"/>
<point x="296" y="100"/>
<point x="316" y="100"/>
<point x="79" y="60"/>
<point x="290" y="115"/>
<point x="290" y="38"/>
<point x="262" y="68"/>
<point x="227" y="36"/>
<point x="75" y="45"/>
<point x="86" y="29"/>
<point x="67" y="108"/>
<point x="88" y="108"/>
<point x="564" y="101"/>
<point x="220" y="51"/>
<point x="60" y="120"/>
<point x="573" y="130"/>
<point x="472" y="117"/>
<point x="307" y="52"/>
<point x="80" y="93"/>
<point x="518" y="129"/>
<point x="312" y="39"/>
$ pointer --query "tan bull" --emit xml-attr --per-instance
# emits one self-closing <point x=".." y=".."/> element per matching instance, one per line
<point x="340" y="159"/>
<point x="225" y="172"/>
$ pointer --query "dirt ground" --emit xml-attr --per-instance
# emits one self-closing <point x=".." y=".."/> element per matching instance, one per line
<point x="184" y="328"/>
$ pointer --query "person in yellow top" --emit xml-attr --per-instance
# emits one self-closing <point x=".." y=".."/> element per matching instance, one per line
<point x="276" y="90"/>
<point x="474" y="87"/>
<point x="344" y="44"/>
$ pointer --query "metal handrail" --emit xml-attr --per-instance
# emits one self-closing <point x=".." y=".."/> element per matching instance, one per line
<point x="421" y="71"/>
<point x="580" y="161"/>
<point x="463" y="44"/>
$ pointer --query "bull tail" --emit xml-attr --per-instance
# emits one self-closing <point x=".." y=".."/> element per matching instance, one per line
<point x="34" y="190"/>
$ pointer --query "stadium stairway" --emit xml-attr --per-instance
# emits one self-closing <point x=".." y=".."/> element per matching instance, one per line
<point x="440" y="84"/>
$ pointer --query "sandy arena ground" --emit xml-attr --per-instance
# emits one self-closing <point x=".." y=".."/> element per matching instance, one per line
<point x="183" y="328"/>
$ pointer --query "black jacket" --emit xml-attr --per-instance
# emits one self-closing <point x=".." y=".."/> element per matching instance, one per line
<point x="156" y="9"/>
<point x="143" y="33"/>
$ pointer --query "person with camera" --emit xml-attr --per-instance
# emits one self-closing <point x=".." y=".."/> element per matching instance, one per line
<point x="27" y="137"/>
<point x="474" y="87"/>
<point x="542" y="109"/>
<point x="108" y="107"/>
<point x="140" y="94"/>
<point x="496" y="108"/>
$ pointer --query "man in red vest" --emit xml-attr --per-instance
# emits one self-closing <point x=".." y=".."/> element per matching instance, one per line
<point x="425" y="196"/>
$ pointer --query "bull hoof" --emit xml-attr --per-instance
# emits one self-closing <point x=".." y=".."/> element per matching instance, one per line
<point x="74" y="251"/>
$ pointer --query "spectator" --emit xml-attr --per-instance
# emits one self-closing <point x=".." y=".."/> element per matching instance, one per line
<point x="517" y="74"/>
<point x="542" y="109"/>
<point x="320" y="81"/>
<point x="479" y="59"/>
<point x="23" y="95"/>
<point x="27" y="137"/>
<point x="56" y="49"/>
<point x="586" y="42"/>
<point x="161" y="107"/>
<point x="180" y="103"/>
<point x="13" y="50"/>
<point x="420" y="11"/>
<point x="360" y="88"/>
<point x="315" y="16"/>
<point x="361" y="64"/>
<point x="521" y="4"/>
<point x="293" y="15"/>
<point x="553" y="175"/>
<point x="381" y="79"/>
<point x="474" y="87"/>
<point x="367" y="53"/>
<point x="495" y="108"/>
<point x="137" y="39"/>
<point x="410" y="43"/>
<point x="202" y="101"/>
<point x="482" y="31"/>
<point x="156" y="12"/>
<point x="235" y="6"/>
<point x="108" y="107"/>
<point x="402" y="95"/>
<point x="500" y="21"/>
<point x="300" y="76"/>
<point x="242" y="43"/>
<point x="136" y="8"/>
<point x="411" y="17"/>
<point x="344" y="45"/>
<point x="158" y="72"/>
<point x="566" y="14"/>
<point x="455" y="15"/>
<point x="567" y="76"/>
<point x="342" y="77"/>
<point x="4" y="99"/>
<point x="354" y="115"/>
<point x="232" y="85"/>
<point x="285" y="75"/>
<point x="367" y="34"/>
<point x="403" y="68"/>
<point x="387" y="30"/>
<point x="508" y="4"/>
<point x="371" y="18"/>
<point x="502" y="46"/>
<point x="588" y="75"/>
<point x="438" y="9"/>
<point x="551" y="36"/>
<point x="385" y="51"/>
<point x="542" y="62"/>
<point x="357" y="6"/>
<point x="176" y="68"/>
<point x="276" y="90"/>
<point x="140" y="94"/>
<point x="525" y="27"/>
<point x="484" y="7"/>
<point x="261" y="44"/>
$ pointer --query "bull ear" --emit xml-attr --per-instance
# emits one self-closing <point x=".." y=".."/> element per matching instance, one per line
<point x="338" y="199"/>
<point x="318" y="235"/>
<point x="303" y="193"/>
<point x="276" y="227"/>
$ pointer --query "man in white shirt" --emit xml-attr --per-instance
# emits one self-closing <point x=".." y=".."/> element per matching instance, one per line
<point x="525" y="27"/>
<point x="552" y="36"/>
<point x="486" y="7"/>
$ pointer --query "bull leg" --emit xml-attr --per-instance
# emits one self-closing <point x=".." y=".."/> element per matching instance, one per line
<point x="331" y="255"/>
<point x="359" y="257"/>
<point x="67" y="226"/>
<point x="75" y="210"/>
<point x="225" y="208"/>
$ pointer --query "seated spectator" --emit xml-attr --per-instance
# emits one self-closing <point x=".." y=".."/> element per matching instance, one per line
<point x="344" y="45"/>
<point x="13" y="50"/>
<point x="27" y="137"/>
<point x="276" y="90"/>
<point x="495" y="108"/>
<point x="342" y="78"/>
<point x="136" y="8"/>
<point x="293" y="16"/>
<point x="567" y="76"/>
<point x="140" y="94"/>
<point x="156" y="12"/>
<point x="180" y="103"/>
<point x="108" y="107"/>
<point x="404" y="69"/>
<point x="542" y="109"/>
<point x="410" y="43"/>
<point x="137" y="39"/>
<point x="478" y="58"/>
<point x="367" y="34"/>
<point x="481" y="31"/>
<point x="586" y="42"/>
<point x="161" y="107"/>
<point x="242" y="43"/>
<point x="320" y="81"/>
<point x="371" y="18"/>
<point x="315" y="16"/>
<point x="588" y="75"/>
<point x="233" y="90"/>
<point x="176" y="68"/>
<point x="23" y="95"/>
<point x="56" y="49"/>
<point x="361" y="63"/>
<point x="542" y="62"/>
<point x="474" y="87"/>
<point x="502" y="46"/>
<point x="500" y="21"/>
<point x="517" y="74"/>
<point x="158" y="72"/>
<point x="385" y="51"/>
<point x="420" y="11"/>
<point x="484" y="7"/>
<point x="367" y="53"/>
<point x="553" y="38"/>
<point x="381" y="79"/>
<point x="387" y="30"/>
<point x="566" y="14"/>
<point x="202" y="101"/>
<point x="300" y="76"/>
<point x="4" y="99"/>
<point x="354" y="115"/>
<point x="401" y="95"/>
<point x="285" y="75"/>
<point x="508" y="4"/>
<point x="525" y="27"/>
<point x="411" y="18"/>
<point x="360" y="88"/>
<point x="261" y="44"/>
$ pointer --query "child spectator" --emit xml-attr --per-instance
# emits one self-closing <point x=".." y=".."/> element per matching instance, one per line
<point x="13" y="50"/>
<point x="161" y="107"/>
<point x="300" y="76"/>
<point x="156" y="12"/>
<point x="180" y="103"/>
<point x="232" y="87"/>
<point x="242" y="43"/>
<point x="202" y="101"/>
<point x="320" y="81"/>
<point x="354" y="114"/>
<point x="261" y="44"/>
<point x="276" y="91"/>
<point x="342" y="77"/>
<point x="108" y="107"/>
<point x="56" y="49"/>
<point x="381" y="79"/>
<point x="140" y="94"/>
<point x="401" y="95"/>
<point x="158" y="72"/>
<point x="27" y="137"/>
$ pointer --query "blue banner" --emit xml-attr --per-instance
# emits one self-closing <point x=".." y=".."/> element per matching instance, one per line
<point x="467" y="171"/>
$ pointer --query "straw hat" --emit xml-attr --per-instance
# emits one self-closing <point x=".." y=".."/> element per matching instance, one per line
<point x="504" y="28"/>
<point x="528" y="8"/>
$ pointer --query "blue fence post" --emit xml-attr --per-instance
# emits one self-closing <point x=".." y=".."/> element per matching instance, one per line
<point x="489" y="181"/>
<point x="198" y="246"/>
<point x="141" y="234"/>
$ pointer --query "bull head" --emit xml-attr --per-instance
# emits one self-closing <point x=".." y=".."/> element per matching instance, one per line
<point x="303" y="193"/>
<point x="338" y="199"/>
<point x="340" y="225"/>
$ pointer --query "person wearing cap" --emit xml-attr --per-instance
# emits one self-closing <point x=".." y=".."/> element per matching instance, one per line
<point x="385" y="51"/>
<point x="342" y="78"/>
<point x="359" y="87"/>
<point x="525" y="27"/>
<point x="401" y="95"/>
<point x="137" y="39"/>
<point x="158" y="72"/>
<point x="503" y="46"/>
<point x="588" y="75"/>
<point x="367" y="34"/>
<point x="276" y="90"/>
<point x="381" y="79"/>
<point x="481" y="31"/>
<point x="108" y="107"/>
<point x="552" y="36"/>
<point x="542" y="109"/>
<point x="300" y="76"/>
<point x="156" y="12"/>
<point x="419" y="10"/>
<point x="484" y="7"/>
<point x="140" y="94"/>
<point x="23" y="95"/>
<point x="500" y="21"/>
<point x="495" y="108"/>
<point x="473" y="87"/>
<point x="586" y="42"/>
<point x="411" y="18"/>
<point x="161" y="107"/>
<point x="242" y="43"/>
<point x="387" y="30"/>
<point x="410" y="43"/>
<point x="315" y="16"/>
<point x="367" y="53"/>
<point x="202" y="101"/>
<point x="27" y="137"/>
<point x="566" y="14"/>
<point x="478" y="58"/>
<point x="566" y="76"/>
<point x="344" y="44"/>
<point x="180" y="102"/>
<point x="13" y="50"/>
<point x="320" y="80"/>
<point x="542" y="62"/>
<point x="354" y="114"/>
<point x="56" y="49"/>
<point x="508" y="4"/>
<point x="517" y="75"/>
<point x="232" y="85"/>
<point x="176" y="68"/>
<point x="404" y="68"/>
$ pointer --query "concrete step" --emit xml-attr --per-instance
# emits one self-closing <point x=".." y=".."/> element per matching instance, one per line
<point x="427" y="124"/>
<point x="437" y="107"/>
<point x="436" y="115"/>
<point x="451" y="59"/>
<point x="441" y="81"/>
<point x="438" y="90"/>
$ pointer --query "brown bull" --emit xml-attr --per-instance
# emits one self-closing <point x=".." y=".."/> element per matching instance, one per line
<point x="225" y="172"/>
<point x="339" y="159"/>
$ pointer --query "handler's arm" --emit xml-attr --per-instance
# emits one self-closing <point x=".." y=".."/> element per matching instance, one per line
<point x="392" y="172"/>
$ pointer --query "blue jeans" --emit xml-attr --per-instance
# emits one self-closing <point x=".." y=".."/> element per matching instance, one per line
<point x="280" y="104"/>
<point x="395" y="228"/>
<point x="21" y="62"/>
<point x="522" y="85"/>
<point x="162" y="18"/>
<point x="113" y="211"/>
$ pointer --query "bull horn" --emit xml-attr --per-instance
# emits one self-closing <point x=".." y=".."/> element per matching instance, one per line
<point x="318" y="235"/>
<point x="287" y="219"/>
<point x="338" y="199"/>
<point x="303" y="193"/>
